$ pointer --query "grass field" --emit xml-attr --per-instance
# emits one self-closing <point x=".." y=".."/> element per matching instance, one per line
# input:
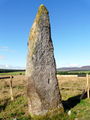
<point x="71" y="88"/>
<point x="13" y="73"/>
<point x="58" y="72"/>
<point x="72" y="72"/>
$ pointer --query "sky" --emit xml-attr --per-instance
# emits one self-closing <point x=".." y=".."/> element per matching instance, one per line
<point x="70" y="30"/>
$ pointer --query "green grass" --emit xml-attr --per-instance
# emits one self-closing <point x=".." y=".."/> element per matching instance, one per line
<point x="14" y="109"/>
<point x="61" y="73"/>
<point x="18" y="109"/>
<point x="13" y="73"/>
<point x="82" y="110"/>
<point x="72" y="72"/>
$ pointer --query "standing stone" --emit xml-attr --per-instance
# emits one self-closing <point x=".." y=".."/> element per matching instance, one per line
<point x="43" y="91"/>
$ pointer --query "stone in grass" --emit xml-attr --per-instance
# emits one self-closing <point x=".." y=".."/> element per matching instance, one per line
<point x="43" y="90"/>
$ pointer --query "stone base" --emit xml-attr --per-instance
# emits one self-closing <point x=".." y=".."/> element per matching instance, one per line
<point x="49" y="114"/>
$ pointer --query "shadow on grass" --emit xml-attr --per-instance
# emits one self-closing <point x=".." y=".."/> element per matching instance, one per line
<point x="3" y="104"/>
<point x="73" y="101"/>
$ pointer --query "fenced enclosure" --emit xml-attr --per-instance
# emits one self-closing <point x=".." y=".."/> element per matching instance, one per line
<point x="71" y="88"/>
<point x="12" y="86"/>
<point x="73" y="85"/>
<point x="69" y="84"/>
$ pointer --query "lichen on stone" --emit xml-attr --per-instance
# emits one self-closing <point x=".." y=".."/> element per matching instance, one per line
<point x="41" y="11"/>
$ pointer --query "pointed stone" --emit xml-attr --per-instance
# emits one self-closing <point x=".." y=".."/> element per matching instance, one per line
<point x="43" y="91"/>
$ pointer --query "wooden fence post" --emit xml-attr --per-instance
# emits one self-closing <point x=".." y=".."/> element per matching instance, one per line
<point x="87" y="86"/>
<point x="11" y="88"/>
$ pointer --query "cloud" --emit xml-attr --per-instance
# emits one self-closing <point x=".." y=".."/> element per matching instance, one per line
<point x="73" y="65"/>
<point x="70" y="65"/>
<point x="3" y="47"/>
<point x="6" y="49"/>
<point x="7" y="66"/>
<point x="2" y="57"/>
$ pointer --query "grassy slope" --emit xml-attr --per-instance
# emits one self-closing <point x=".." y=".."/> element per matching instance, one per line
<point x="19" y="109"/>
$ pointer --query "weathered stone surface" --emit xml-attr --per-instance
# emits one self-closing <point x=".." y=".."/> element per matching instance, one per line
<point x="43" y="91"/>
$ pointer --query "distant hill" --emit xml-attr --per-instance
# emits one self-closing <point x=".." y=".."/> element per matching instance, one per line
<point x="83" y="68"/>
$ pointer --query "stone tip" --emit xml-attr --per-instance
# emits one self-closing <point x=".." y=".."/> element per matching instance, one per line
<point x="42" y="5"/>
<point x="42" y="9"/>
